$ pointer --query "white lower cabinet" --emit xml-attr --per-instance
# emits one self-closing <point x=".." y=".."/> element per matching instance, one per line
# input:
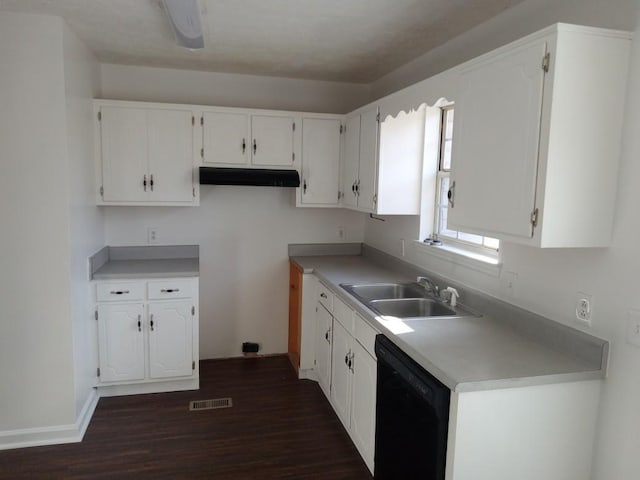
<point x="323" y="347"/>
<point x="346" y="369"/>
<point x="150" y="345"/>
<point x="363" y="403"/>
<point x="121" y="342"/>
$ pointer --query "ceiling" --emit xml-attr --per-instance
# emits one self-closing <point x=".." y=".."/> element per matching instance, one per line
<point x="340" y="40"/>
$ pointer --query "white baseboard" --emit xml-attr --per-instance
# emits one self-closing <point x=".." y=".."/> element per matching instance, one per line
<point x="58" y="434"/>
<point x="308" y="374"/>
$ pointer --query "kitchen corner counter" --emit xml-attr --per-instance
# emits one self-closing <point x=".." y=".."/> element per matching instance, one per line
<point x="112" y="263"/>
<point x="470" y="353"/>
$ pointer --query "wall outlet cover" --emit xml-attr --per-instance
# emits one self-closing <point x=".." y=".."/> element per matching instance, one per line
<point x="584" y="308"/>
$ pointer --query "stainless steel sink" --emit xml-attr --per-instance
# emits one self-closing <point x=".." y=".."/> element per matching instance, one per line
<point x="409" y="301"/>
<point x="412" y="307"/>
<point x="381" y="291"/>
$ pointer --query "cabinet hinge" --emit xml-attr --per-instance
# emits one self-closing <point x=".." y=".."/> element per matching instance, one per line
<point x="534" y="218"/>
<point x="193" y="120"/>
<point x="98" y="371"/>
<point x="378" y="117"/>
<point x="193" y="191"/>
<point x="293" y="156"/>
<point x="193" y="365"/>
<point x="294" y="126"/>
<point x="193" y="310"/>
<point x="99" y="116"/>
<point x="341" y="129"/>
<point x="202" y="120"/>
<point x="96" y="314"/>
<point x="101" y="191"/>
<point x="375" y="199"/>
<point x="546" y="61"/>
<point x="339" y="195"/>
<point x="202" y="152"/>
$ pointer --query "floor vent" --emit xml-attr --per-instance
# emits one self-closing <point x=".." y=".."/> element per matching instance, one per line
<point x="210" y="404"/>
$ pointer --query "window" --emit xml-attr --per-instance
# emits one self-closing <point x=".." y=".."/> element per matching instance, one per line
<point x="461" y="240"/>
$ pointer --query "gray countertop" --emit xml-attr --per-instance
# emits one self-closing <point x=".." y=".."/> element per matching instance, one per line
<point x="112" y="263"/>
<point x="469" y="353"/>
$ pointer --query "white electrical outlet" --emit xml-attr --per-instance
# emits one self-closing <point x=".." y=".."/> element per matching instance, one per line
<point x="342" y="234"/>
<point x="508" y="281"/>
<point x="633" y="327"/>
<point x="152" y="235"/>
<point x="584" y="307"/>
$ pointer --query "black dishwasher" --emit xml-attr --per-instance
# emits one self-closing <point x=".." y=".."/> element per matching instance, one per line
<point x="412" y="417"/>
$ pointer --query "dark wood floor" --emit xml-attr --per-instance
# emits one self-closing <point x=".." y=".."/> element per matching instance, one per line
<point x="278" y="427"/>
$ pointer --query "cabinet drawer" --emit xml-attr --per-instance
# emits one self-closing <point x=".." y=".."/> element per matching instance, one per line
<point x="365" y="334"/>
<point x="119" y="291"/>
<point x="169" y="289"/>
<point x="325" y="296"/>
<point x="343" y="314"/>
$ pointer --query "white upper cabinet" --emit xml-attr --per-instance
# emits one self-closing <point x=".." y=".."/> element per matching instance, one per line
<point x="272" y="142"/>
<point x="226" y="138"/>
<point x="320" y="176"/>
<point x="537" y="138"/>
<point x="381" y="171"/>
<point x="234" y="137"/>
<point x="145" y="154"/>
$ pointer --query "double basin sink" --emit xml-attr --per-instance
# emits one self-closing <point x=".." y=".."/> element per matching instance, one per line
<point x="409" y="301"/>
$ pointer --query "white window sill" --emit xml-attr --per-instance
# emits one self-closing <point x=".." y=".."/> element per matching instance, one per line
<point x="485" y="264"/>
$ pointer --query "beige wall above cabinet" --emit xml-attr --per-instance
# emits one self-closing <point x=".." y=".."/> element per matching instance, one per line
<point x="382" y="166"/>
<point x="145" y="154"/>
<point x="537" y="138"/>
<point x="243" y="138"/>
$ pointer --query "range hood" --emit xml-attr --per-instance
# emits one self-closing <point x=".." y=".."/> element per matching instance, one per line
<point x="257" y="177"/>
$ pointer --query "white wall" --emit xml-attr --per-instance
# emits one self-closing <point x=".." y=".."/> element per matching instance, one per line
<point x="36" y="352"/>
<point x="243" y="233"/>
<point x="548" y="280"/>
<point x="86" y="230"/>
<point x="151" y="84"/>
<point x="516" y="22"/>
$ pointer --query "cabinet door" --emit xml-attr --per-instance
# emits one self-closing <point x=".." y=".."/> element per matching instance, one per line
<point x="351" y="161"/>
<point x="363" y="403"/>
<point x="171" y="155"/>
<point x="341" y="376"/>
<point x="368" y="160"/>
<point x="124" y="145"/>
<point x="495" y="144"/>
<point x="324" y="338"/>
<point x="120" y="342"/>
<point x="272" y="140"/>
<point x="320" y="161"/>
<point x="226" y="138"/>
<point x="170" y="339"/>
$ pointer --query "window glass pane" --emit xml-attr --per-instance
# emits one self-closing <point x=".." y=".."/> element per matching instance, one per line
<point x="443" y="230"/>
<point x="471" y="238"/>
<point x="446" y="156"/>
<point x="444" y="188"/>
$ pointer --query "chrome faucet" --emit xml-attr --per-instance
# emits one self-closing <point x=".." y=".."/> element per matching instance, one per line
<point x="429" y="286"/>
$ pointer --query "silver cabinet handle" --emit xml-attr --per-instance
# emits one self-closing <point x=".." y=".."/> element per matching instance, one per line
<point x="144" y="182"/>
<point x="304" y="186"/>
<point x="244" y="146"/>
<point x="119" y="292"/>
<point x="151" y="182"/>
<point x="255" y="146"/>
<point x="139" y="323"/>
<point x="323" y="295"/>
<point x="326" y="336"/>
<point x="169" y="290"/>
<point x="151" y="323"/>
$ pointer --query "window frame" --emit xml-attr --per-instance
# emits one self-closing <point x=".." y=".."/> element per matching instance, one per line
<point x="455" y="243"/>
